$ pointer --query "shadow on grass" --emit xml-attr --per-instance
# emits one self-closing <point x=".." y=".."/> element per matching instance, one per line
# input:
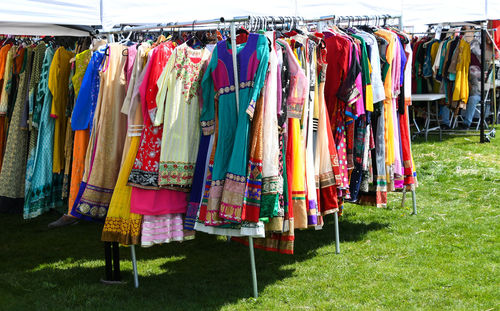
<point x="207" y="273"/>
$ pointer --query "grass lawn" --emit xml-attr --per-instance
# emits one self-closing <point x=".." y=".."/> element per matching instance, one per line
<point x="445" y="258"/>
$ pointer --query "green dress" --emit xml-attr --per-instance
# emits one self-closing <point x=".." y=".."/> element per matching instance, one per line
<point x="227" y="188"/>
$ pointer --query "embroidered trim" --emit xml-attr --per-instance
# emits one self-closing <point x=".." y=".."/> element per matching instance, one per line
<point x="294" y="109"/>
<point x="176" y="174"/>
<point x="272" y="185"/>
<point x="327" y="180"/>
<point x="208" y="127"/>
<point x="251" y="109"/>
<point x="124" y="231"/>
<point x="232" y="88"/>
<point x="143" y="179"/>
<point x="232" y="197"/>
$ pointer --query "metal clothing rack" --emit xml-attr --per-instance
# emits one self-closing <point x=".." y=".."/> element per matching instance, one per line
<point x="282" y="21"/>
<point x="484" y="32"/>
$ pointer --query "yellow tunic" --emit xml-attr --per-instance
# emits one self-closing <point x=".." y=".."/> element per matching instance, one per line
<point x="59" y="86"/>
<point x="461" y="91"/>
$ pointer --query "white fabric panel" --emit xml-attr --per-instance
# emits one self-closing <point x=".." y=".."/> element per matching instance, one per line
<point x="35" y="29"/>
<point x="416" y="13"/>
<point x="166" y="11"/>
<point x="318" y="8"/>
<point x="493" y="9"/>
<point x="69" y="12"/>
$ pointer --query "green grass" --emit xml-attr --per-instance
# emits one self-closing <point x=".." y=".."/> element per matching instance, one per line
<point x="445" y="258"/>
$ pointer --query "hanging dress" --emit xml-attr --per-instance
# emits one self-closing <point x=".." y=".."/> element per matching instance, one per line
<point x="147" y="198"/>
<point x="231" y="156"/>
<point x="38" y="197"/>
<point x="39" y="55"/>
<point x="179" y="112"/>
<point x="59" y="89"/>
<point x="5" y="90"/>
<point x="121" y="225"/>
<point x="81" y="137"/>
<point x="106" y="143"/>
<point x="12" y="176"/>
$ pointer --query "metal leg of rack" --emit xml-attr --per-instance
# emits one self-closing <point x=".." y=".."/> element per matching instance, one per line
<point x="414" y="201"/>
<point x="134" y="266"/>
<point x="252" y="265"/>
<point x="337" y="240"/>
<point x="404" y="198"/>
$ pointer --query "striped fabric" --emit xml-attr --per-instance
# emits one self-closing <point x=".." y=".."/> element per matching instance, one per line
<point x="166" y="228"/>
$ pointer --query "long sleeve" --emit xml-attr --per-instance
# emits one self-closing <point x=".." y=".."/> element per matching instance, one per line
<point x="207" y="116"/>
<point x="53" y="87"/>
<point x="260" y="75"/>
<point x="298" y="86"/>
<point x="162" y="83"/>
<point x="81" y="117"/>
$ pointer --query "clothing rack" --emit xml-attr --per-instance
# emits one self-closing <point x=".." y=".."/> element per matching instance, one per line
<point x="259" y="21"/>
<point x="484" y="32"/>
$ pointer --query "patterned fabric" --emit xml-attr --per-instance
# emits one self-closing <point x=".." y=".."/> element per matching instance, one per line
<point x="144" y="173"/>
<point x="6" y="76"/>
<point x="164" y="229"/>
<point x="34" y="106"/>
<point x="81" y="62"/>
<point x="39" y="54"/>
<point x="12" y="176"/>
<point x="39" y="195"/>
<point x="227" y="190"/>
<point x="253" y="187"/>
<point x="179" y="112"/>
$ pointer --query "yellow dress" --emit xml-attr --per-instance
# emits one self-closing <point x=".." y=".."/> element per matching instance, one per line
<point x="461" y="91"/>
<point x="121" y="225"/>
<point x="59" y="87"/>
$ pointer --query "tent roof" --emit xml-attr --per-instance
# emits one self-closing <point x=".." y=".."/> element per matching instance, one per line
<point x="113" y="12"/>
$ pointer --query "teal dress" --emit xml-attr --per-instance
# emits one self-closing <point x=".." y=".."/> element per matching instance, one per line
<point x="227" y="188"/>
<point x="39" y="195"/>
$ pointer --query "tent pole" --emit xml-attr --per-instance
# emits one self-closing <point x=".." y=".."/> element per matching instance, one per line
<point x="483" y="59"/>
<point x="134" y="266"/>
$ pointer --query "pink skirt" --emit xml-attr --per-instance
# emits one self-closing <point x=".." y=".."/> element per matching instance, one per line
<point x="164" y="229"/>
<point x="158" y="202"/>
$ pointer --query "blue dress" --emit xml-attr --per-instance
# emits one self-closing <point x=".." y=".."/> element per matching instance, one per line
<point x="39" y="195"/>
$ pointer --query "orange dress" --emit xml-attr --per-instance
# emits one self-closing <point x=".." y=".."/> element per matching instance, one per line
<point x="81" y="139"/>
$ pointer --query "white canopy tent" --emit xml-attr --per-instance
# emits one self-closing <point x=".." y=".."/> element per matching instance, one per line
<point x="46" y="17"/>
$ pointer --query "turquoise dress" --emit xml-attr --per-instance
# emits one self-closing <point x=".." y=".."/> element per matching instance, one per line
<point x="39" y="195"/>
<point x="227" y="189"/>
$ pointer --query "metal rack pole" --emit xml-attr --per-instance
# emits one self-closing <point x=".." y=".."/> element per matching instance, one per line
<point x="134" y="266"/>
<point x="414" y="201"/>
<point x="252" y="266"/>
<point x="413" y="193"/>
<point x="483" y="59"/>
<point x="234" y="53"/>
<point x="175" y="25"/>
<point x="337" y="239"/>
